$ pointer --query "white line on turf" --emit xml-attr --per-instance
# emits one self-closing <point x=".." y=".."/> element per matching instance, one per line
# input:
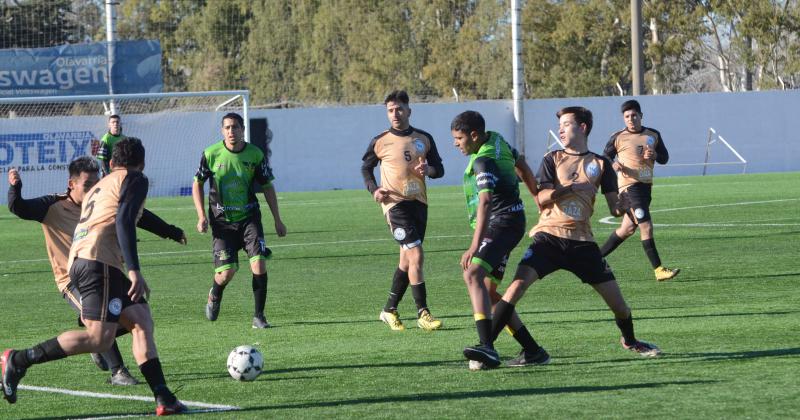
<point x="611" y="220"/>
<point x="198" y="404"/>
<point x="196" y="251"/>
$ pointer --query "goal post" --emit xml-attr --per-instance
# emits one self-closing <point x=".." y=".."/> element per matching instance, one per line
<point x="40" y="136"/>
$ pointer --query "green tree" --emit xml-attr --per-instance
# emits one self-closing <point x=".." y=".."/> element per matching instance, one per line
<point x="37" y="23"/>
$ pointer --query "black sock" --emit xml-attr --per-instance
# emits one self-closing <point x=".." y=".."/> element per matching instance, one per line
<point x="485" y="331"/>
<point x="626" y="327"/>
<point x="502" y="313"/>
<point x="113" y="357"/>
<point x="399" y="287"/>
<point x="260" y="293"/>
<point x="152" y="372"/>
<point x="525" y="339"/>
<point x="216" y="291"/>
<point x="652" y="254"/>
<point x="45" y="351"/>
<point x="420" y="296"/>
<point x="611" y="244"/>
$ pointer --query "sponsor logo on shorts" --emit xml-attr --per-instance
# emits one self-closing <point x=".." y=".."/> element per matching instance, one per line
<point x="399" y="234"/>
<point x="592" y="169"/>
<point x="115" y="306"/>
<point x="639" y="213"/>
<point x="222" y="254"/>
<point x="262" y="245"/>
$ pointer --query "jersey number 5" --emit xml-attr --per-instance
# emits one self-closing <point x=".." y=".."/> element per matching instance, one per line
<point x="407" y="155"/>
<point x="89" y="207"/>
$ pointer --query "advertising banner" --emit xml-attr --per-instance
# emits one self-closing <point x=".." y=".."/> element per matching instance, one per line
<point x="80" y="69"/>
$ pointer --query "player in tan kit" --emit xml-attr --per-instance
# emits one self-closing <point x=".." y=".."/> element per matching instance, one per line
<point x="58" y="215"/>
<point x="104" y="244"/>
<point x="568" y="182"/>
<point x="406" y="155"/>
<point x="637" y="149"/>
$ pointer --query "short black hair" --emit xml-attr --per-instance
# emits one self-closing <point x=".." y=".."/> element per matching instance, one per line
<point x="233" y="116"/>
<point x="83" y="164"/>
<point x="468" y="121"/>
<point x="114" y="117"/>
<point x="631" y="104"/>
<point x="128" y="152"/>
<point x="582" y="116"/>
<point x="397" y="96"/>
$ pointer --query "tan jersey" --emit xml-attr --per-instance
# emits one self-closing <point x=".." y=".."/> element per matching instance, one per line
<point x="628" y="147"/>
<point x="568" y="217"/>
<point x="58" y="226"/>
<point x="96" y="234"/>
<point x="399" y="152"/>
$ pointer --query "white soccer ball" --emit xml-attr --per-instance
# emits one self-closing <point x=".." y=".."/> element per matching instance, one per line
<point x="245" y="363"/>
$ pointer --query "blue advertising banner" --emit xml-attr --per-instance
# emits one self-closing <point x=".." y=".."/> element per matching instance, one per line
<point x="43" y="151"/>
<point x="80" y="69"/>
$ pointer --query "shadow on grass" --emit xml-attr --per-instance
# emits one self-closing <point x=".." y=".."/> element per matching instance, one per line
<point x="739" y="277"/>
<point x="465" y="395"/>
<point x="670" y="357"/>
<point x="639" y="318"/>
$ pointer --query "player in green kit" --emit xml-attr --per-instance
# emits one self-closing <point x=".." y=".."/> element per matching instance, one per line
<point x="108" y="141"/>
<point x="234" y="167"/>
<point x="497" y="214"/>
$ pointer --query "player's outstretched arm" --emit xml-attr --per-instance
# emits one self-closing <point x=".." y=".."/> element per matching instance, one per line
<point x="272" y="202"/>
<point x="33" y="209"/>
<point x="154" y="224"/>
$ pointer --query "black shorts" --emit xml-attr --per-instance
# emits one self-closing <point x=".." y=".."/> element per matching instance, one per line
<point x="639" y="195"/>
<point x="407" y="222"/>
<point x="229" y="238"/>
<point x="103" y="290"/>
<point x="502" y="235"/>
<point x="549" y="253"/>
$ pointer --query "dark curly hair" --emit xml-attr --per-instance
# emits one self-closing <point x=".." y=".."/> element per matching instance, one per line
<point x="128" y="152"/>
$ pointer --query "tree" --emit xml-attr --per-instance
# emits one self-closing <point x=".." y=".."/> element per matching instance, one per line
<point x="37" y="24"/>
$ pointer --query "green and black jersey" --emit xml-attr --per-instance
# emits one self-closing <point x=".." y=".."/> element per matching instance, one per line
<point x="492" y="169"/>
<point x="107" y="143"/>
<point x="232" y="196"/>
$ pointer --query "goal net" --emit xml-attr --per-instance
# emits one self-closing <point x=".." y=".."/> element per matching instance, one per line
<point x="41" y="136"/>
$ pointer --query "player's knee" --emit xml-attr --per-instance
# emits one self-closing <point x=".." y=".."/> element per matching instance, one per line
<point x="223" y="277"/>
<point x="473" y="275"/>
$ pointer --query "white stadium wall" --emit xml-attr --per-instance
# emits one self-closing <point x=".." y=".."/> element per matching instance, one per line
<point x="321" y="148"/>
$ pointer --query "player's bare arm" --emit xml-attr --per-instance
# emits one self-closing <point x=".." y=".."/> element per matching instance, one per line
<point x="525" y="173"/>
<point x="198" y="198"/>
<point x="272" y="202"/>
<point x="481" y="223"/>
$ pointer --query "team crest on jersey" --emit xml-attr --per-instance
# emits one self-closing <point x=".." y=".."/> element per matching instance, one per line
<point x="399" y="234"/>
<point x="528" y="254"/>
<point x="115" y="306"/>
<point x="650" y="140"/>
<point x="419" y="145"/>
<point x="639" y="213"/>
<point x="593" y="169"/>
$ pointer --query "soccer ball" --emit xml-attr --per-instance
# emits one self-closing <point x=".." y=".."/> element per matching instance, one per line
<point x="245" y="363"/>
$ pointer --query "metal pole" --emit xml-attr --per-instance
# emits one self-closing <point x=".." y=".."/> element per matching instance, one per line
<point x="518" y="79"/>
<point x="637" y="59"/>
<point x="111" y="35"/>
<point x="708" y="148"/>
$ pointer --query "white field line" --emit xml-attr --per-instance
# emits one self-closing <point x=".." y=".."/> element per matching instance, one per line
<point x="206" y="407"/>
<point x="611" y="220"/>
<point x="354" y="241"/>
